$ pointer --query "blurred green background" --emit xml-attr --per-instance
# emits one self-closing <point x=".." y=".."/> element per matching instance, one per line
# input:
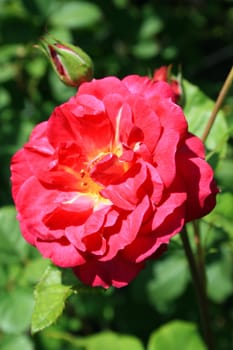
<point x="122" y="37"/>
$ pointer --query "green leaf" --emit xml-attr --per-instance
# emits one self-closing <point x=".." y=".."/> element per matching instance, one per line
<point x="197" y="109"/>
<point x="176" y="335"/>
<point x="146" y="49"/>
<point x="150" y="27"/>
<point x="41" y="8"/>
<point x="3" y="276"/>
<point x="121" y="3"/>
<point x="220" y="276"/>
<point x="36" y="67"/>
<point x="113" y="341"/>
<point x="50" y="296"/>
<point x="13" y="342"/>
<point x="12" y="245"/>
<point x="224" y="173"/>
<point x="172" y="271"/>
<point x="106" y="340"/>
<point x="76" y="15"/>
<point x="5" y="98"/>
<point x="222" y="214"/>
<point x="33" y="270"/>
<point x="16" y="311"/>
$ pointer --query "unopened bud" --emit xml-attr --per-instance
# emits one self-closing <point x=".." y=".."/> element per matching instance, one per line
<point x="72" y="65"/>
<point x="164" y="74"/>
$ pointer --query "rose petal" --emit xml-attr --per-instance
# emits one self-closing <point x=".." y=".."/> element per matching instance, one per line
<point x="127" y="194"/>
<point x="103" y="87"/>
<point x="95" y="244"/>
<point x="167" y="221"/>
<point x="126" y="229"/>
<point x="145" y="245"/>
<point x="88" y="105"/>
<point x="174" y="197"/>
<point x="57" y="210"/>
<point x="20" y="171"/>
<point x="149" y="124"/>
<point x="117" y="272"/>
<point x="198" y="178"/>
<point x="147" y="88"/>
<point x="174" y="128"/>
<point x="61" y="252"/>
<point x="120" y="115"/>
<point x="192" y="146"/>
<point x="32" y="196"/>
<point x="91" y="132"/>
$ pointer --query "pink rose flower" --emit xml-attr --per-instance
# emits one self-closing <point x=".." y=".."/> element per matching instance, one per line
<point x="110" y="178"/>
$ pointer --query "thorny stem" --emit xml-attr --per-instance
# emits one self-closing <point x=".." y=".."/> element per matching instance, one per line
<point x="200" y="291"/>
<point x="222" y="94"/>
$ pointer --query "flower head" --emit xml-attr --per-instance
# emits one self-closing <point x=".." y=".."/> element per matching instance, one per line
<point x="110" y="178"/>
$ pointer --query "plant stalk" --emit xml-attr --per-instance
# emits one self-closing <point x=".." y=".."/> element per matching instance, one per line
<point x="199" y="286"/>
<point x="200" y="252"/>
<point x="222" y="94"/>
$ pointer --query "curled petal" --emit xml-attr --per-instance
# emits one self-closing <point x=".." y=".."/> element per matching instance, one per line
<point x="202" y="190"/>
<point x="108" y="170"/>
<point x="90" y="131"/>
<point x="149" y="124"/>
<point x="61" y="252"/>
<point x="173" y="198"/>
<point x="165" y="224"/>
<point x="125" y="230"/>
<point x="120" y="115"/>
<point x="58" y="210"/>
<point x="92" y="227"/>
<point x="29" y="217"/>
<point x="174" y="130"/>
<point x="95" y="244"/>
<point x="87" y="105"/>
<point x="126" y="194"/>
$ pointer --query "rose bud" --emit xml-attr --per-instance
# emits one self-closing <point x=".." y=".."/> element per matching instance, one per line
<point x="164" y="74"/>
<point x="72" y="65"/>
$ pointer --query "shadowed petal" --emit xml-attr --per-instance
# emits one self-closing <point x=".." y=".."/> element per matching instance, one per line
<point x="117" y="272"/>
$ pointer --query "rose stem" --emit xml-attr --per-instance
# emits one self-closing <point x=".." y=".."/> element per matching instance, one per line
<point x="222" y="94"/>
<point x="200" y="252"/>
<point x="200" y="291"/>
